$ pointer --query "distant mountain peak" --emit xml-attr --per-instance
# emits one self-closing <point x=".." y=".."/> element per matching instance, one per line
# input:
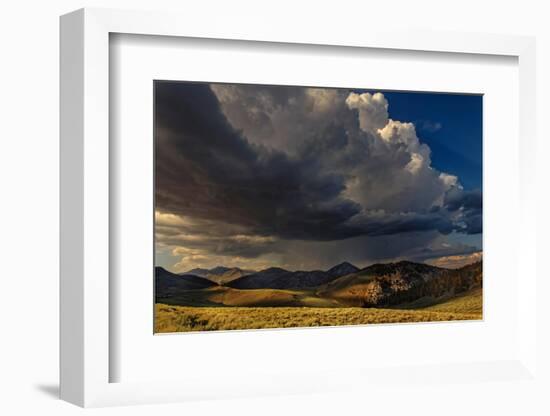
<point x="346" y="264"/>
<point x="219" y="274"/>
<point x="197" y="272"/>
<point x="342" y="269"/>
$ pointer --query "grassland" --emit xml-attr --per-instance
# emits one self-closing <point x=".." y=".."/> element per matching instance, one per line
<point x="225" y="296"/>
<point x="173" y="318"/>
<point x="469" y="303"/>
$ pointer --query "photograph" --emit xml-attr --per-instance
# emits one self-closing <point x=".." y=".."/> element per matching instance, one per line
<point x="302" y="206"/>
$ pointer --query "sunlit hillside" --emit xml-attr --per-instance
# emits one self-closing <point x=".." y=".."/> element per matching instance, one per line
<point x="170" y="318"/>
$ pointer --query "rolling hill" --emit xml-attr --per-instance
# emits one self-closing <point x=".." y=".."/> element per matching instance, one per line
<point x="168" y="284"/>
<point x="384" y="285"/>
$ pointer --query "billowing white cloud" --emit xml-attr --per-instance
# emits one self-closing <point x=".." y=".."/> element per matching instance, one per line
<point x="350" y="134"/>
<point x="449" y="180"/>
<point x="372" y="109"/>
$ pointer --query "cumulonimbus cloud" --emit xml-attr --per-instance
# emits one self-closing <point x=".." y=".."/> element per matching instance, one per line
<point x="298" y="164"/>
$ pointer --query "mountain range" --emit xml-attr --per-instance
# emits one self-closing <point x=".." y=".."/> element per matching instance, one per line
<point x="277" y="278"/>
<point x="378" y="285"/>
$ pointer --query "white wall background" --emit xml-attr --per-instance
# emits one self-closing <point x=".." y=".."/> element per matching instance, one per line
<point x="29" y="182"/>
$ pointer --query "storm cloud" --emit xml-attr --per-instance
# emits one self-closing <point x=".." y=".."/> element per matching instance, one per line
<point x="243" y="171"/>
<point x="469" y="204"/>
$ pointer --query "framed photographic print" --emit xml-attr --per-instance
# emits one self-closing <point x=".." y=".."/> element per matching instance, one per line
<point x="298" y="213"/>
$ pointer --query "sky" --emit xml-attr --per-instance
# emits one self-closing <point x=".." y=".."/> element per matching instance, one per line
<point x="255" y="176"/>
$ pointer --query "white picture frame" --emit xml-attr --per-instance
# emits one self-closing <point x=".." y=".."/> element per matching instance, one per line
<point x="85" y="212"/>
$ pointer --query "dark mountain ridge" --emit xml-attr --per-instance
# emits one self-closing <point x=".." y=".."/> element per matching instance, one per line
<point x="342" y="269"/>
<point x="167" y="283"/>
<point x="383" y="285"/>
<point x="220" y="274"/>
<point x="277" y="278"/>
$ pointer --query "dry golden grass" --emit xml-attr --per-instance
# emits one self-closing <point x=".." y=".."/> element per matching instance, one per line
<point x="225" y="296"/>
<point x="471" y="302"/>
<point x="185" y="318"/>
<point x="173" y="318"/>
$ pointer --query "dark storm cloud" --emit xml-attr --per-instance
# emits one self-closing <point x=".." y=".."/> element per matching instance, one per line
<point x="431" y="253"/>
<point x="470" y="203"/>
<point x="365" y="250"/>
<point x="469" y="200"/>
<point x="207" y="169"/>
<point x="403" y="223"/>
<point x="241" y="247"/>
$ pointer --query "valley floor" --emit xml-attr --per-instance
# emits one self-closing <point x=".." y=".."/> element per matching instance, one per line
<point x="173" y="318"/>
